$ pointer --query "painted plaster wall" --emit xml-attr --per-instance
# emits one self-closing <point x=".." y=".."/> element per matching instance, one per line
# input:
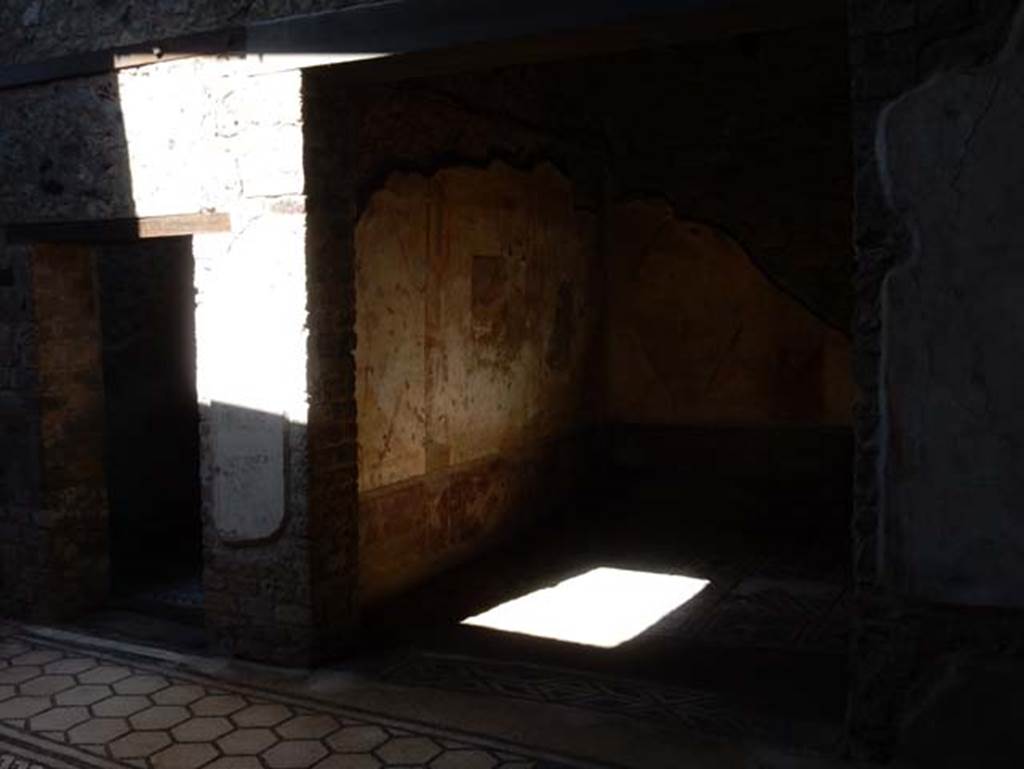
<point x="476" y="318"/>
<point x="697" y="335"/>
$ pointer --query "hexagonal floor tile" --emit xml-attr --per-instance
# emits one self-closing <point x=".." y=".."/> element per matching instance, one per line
<point x="58" y="719"/>
<point x="98" y="731"/>
<point x="12" y="648"/>
<point x="139" y="744"/>
<point x="37" y="657"/>
<point x="464" y="759"/>
<point x="246" y="742"/>
<point x="44" y="686"/>
<point x="308" y="727"/>
<point x="294" y="754"/>
<point x="71" y="666"/>
<point x="348" y="761"/>
<point x="263" y="714"/>
<point x="202" y="729"/>
<point x="23" y="707"/>
<point x="123" y="705"/>
<point x="357" y="739"/>
<point x="179" y="694"/>
<point x="104" y="674"/>
<point x="218" y="705"/>
<point x="408" y="750"/>
<point x="159" y="717"/>
<point x="19" y="674"/>
<point x="236" y="762"/>
<point x="140" y="684"/>
<point x="83" y="695"/>
<point x="183" y="756"/>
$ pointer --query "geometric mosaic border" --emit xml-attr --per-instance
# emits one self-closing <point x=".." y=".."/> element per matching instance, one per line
<point x="534" y="683"/>
<point x="673" y="707"/>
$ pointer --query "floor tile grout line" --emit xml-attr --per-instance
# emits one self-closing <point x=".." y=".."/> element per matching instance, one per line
<point x="58" y="751"/>
<point x="352" y="712"/>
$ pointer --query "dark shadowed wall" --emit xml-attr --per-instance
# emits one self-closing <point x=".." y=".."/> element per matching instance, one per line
<point x="697" y="335"/>
<point x="716" y="282"/>
<point x="152" y="423"/>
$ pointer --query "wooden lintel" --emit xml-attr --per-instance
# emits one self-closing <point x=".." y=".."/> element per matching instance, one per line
<point x="118" y="230"/>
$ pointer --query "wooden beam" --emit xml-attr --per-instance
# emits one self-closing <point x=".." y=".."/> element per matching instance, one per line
<point x="117" y="230"/>
<point x="396" y="28"/>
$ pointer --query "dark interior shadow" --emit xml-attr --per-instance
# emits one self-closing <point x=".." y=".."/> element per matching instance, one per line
<point x="152" y="439"/>
<point x="770" y="631"/>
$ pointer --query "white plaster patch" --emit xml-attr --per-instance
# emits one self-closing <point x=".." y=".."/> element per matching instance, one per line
<point x="249" y="472"/>
<point x="251" y="365"/>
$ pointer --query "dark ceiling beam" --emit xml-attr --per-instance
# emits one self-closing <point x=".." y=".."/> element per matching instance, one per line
<point x="407" y="28"/>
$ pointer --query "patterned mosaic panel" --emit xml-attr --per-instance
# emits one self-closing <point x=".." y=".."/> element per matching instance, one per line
<point x="83" y="709"/>
<point x="682" y="707"/>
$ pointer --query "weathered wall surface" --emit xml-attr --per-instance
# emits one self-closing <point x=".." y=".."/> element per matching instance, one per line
<point x="63" y="152"/>
<point x="183" y="137"/>
<point x="914" y="349"/>
<point x="477" y="306"/>
<point x="72" y="513"/>
<point x="936" y="117"/>
<point x="752" y="136"/>
<point x="120" y="146"/>
<point x="770" y="171"/>
<point x="749" y="134"/>
<point x="21" y="551"/>
<point x="697" y="335"/>
<point x="40" y="29"/>
<point x="955" y="471"/>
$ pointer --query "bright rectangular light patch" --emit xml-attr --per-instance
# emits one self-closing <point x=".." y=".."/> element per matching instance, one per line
<point x="603" y="607"/>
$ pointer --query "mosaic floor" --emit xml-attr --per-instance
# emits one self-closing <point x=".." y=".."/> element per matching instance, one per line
<point x="759" y="653"/>
<point x="62" y="706"/>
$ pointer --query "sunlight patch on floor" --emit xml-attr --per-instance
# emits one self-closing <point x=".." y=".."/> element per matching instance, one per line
<point x="604" y="607"/>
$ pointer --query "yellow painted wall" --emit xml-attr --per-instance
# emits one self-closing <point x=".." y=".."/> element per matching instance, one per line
<point x="698" y="335"/>
<point x="476" y="315"/>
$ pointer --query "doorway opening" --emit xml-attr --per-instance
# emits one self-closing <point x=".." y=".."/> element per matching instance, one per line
<point x="602" y="349"/>
<point x="146" y="307"/>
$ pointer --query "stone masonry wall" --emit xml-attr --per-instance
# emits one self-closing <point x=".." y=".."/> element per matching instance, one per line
<point x="184" y="137"/>
<point x="72" y="513"/>
<point x="22" y="550"/>
<point x="329" y="122"/>
<point x="33" y="30"/>
<point x="52" y="514"/>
